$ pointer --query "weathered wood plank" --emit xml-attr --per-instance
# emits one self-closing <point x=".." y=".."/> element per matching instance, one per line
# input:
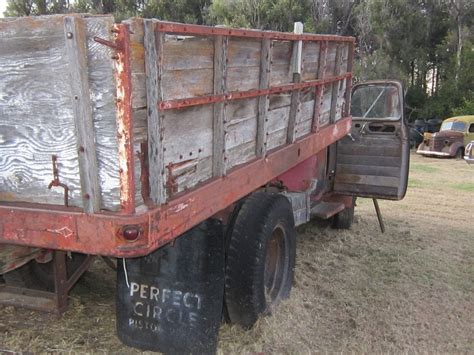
<point x="75" y="33"/>
<point x="240" y="132"/>
<point x="29" y="27"/>
<point x="263" y="101"/>
<point x="294" y="108"/>
<point x="240" y="154"/>
<point x="243" y="52"/>
<point x="281" y="71"/>
<point x="153" y="41"/>
<point x="187" y="144"/>
<point x="347" y="95"/>
<point x="220" y="87"/>
<point x="305" y="113"/>
<point x="188" y="53"/>
<point x="325" y="106"/>
<point x="310" y="60"/>
<point x="243" y="78"/>
<point x="277" y="138"/>
<point x="295" y="94"/>
<point x="278" y="119"/>
<point x="102" y="96"/>
<point x="37" y="110"/>
<point x="319" y="94"/>
<point x="335" y="85"/>
<point x="36" y="117"/>
<point x="195" y="82"/>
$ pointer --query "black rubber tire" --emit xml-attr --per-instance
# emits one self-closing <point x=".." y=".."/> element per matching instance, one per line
<point x="261" y="252"/>
<point x="459" y="153"/>
<point x="39" y="276"/>
<point x="345" y="218"/>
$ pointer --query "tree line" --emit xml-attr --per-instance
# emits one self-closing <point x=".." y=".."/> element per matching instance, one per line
<point x="428" y="44"/>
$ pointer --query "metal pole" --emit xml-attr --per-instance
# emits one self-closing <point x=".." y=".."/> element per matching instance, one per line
<point x="379" y="215"/>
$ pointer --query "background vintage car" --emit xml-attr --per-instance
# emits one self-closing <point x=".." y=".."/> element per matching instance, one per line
<point x="450" y="141"/>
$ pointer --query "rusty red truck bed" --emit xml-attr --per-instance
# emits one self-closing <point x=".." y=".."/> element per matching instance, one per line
<point x="151" y="126"/>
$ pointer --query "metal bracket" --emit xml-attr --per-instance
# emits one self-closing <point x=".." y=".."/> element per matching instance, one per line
<point x="56" y="183"/>
<point x="106" y="42"/>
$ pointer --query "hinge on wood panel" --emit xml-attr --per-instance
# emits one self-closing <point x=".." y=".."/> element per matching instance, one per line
<point x="56" y="183"/>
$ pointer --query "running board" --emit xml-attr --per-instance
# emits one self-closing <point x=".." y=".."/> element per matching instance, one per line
<point x="326" y="210"/>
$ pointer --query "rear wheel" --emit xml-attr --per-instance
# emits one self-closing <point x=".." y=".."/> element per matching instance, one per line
<point x="459" y="153"/>
<point x="260" y="257"/>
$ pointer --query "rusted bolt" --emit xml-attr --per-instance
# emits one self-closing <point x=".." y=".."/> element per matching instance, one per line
<point x="76" y="97"/>
<point x="180" y="157"/>
<point x="81" y="149"/>
<point x="120" y="171"/>
<point x="69" y="35"/>
<point x="87" y="196"/>
<point x="190" y="153"/>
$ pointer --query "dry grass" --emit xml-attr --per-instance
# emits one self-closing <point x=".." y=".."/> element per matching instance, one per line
<point x="408" y="290"/>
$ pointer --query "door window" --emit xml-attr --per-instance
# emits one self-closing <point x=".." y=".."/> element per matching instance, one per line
<point x="378" y="101"/>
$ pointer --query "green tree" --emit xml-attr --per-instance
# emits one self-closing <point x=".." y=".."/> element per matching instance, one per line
<point x="36" y="7"/>
<point x="187" y="11"/>
<point x="277" y="15"/>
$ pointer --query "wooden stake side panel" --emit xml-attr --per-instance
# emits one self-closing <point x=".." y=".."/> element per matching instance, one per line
<point x="37" y="111"/>
<point x="190" y="142"/>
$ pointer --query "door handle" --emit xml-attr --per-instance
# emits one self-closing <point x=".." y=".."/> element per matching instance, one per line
<point x="362" y="129"/>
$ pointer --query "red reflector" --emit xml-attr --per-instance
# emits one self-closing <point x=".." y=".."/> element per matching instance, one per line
<point x="130" y="233"/>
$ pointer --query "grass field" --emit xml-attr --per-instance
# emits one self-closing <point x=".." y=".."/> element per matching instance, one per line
<point x="408" y="290"/>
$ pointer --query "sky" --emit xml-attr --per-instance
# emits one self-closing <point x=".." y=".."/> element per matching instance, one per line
<point x="3" y="6"/>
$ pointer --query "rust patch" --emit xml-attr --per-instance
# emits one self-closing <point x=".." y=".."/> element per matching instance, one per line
<point x="124" y="118"/>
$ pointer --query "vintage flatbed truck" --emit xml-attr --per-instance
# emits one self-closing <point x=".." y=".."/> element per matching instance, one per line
<point x="189" y="153"/>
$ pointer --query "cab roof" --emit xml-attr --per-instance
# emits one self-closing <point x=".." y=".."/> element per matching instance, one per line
<point x="466" y="119"/>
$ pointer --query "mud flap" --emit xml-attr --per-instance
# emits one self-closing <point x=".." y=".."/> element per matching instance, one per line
<point x="171" y="300"/>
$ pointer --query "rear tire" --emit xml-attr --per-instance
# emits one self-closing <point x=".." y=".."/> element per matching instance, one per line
<point x="459" y="153"/>
<point x="345" y="218"/>
<point x="260" y="258"/>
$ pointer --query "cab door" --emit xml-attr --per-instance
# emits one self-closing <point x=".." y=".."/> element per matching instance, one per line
<point x="372" y="161"/>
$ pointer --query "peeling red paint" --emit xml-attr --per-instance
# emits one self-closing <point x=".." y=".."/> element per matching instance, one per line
<point x="124" y="118"/>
